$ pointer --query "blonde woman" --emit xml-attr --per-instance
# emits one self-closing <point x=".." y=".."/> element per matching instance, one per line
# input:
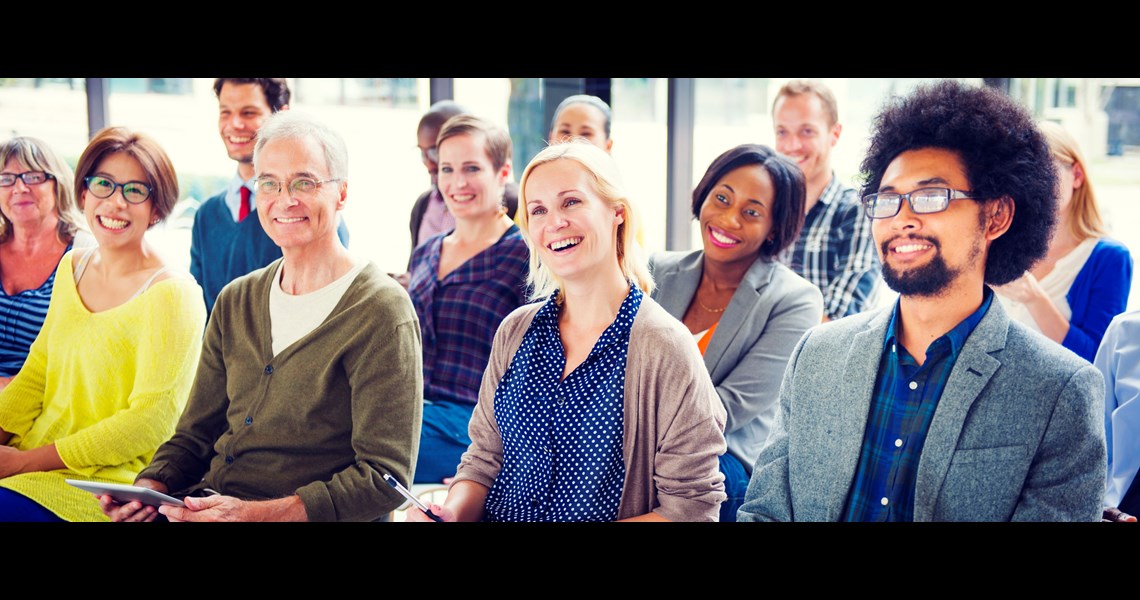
<point x="38" y="225"/>
<point x="1073" y="293"/>
<point x="595" y="405"/>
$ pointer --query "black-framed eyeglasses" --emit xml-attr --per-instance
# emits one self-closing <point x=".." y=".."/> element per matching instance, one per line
<point x="301" y="186"/>
<point x="134" y="192"/>
<point x="29" y="178"/>
<point x="431" y="154"/>
<point x="923" y="201"/>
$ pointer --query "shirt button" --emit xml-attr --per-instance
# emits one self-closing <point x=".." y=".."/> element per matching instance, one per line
<point x="898" y="443"/>
<point x="913" y="385"/>
<point x="249" y="420"/>
<point x="547" y="449"/>
<point x="229" y="460"/>
<point x="561" y="401"/>
<point x="884" y="501"/>
<point x="269" y="370"/>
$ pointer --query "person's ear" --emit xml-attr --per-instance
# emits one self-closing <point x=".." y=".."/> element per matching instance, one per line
<point x="619" y="214"/>
<point x="1000" y="217"/>
<point x="835" y="131"/>
<point x="1078" y="175"/>
<point x="610" y="146"/>
<point x="343" y="195"/>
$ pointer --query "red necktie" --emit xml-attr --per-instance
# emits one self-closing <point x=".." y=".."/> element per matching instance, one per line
<point x="243" y="212"/>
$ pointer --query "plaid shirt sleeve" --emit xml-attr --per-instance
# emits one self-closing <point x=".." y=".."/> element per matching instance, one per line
<point x="853" y="251"/>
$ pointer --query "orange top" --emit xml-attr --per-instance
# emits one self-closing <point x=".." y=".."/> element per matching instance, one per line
<point x="704" y="341"/>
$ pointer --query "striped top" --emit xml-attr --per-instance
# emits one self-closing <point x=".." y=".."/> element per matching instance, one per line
<point x="21" y="317"/>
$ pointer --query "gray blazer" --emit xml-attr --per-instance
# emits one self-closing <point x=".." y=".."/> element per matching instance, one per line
<point x="1018" y="433"/>
<point x="746" y="356"/>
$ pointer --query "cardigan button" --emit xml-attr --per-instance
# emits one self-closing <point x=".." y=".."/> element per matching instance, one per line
<point x="249" y="420"/>
<point x="268" y="369"/>
<point x="229" y="460"/>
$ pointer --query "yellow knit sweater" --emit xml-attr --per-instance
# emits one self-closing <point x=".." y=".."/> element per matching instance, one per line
<point x="106" y="388"/>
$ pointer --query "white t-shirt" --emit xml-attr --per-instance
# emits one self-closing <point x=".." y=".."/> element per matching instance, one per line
<point x="293" y="317"/>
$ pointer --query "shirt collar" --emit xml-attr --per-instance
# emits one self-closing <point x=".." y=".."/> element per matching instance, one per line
<point x="956" y="336"/>
<point x="831" y="191"/>
<point x="547" y="317"/>
<point x="236" y="183"/>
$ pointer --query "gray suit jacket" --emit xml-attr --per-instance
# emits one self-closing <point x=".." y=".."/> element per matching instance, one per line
<point x="1018" y="433"/>
<point x="749" y="350"/>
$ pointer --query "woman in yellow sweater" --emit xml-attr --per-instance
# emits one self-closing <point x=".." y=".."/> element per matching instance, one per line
<point x="106" y="380"/>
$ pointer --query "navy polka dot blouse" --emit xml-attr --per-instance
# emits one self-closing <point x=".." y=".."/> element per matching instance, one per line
<point x="562" y="440"/>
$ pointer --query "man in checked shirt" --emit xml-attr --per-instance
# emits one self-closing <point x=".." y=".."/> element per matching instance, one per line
<point x="835" y="251"/>
<point x="941" y="408"/>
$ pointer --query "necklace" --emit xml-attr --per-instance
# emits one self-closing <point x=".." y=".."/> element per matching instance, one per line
<point x="712" y="310"/>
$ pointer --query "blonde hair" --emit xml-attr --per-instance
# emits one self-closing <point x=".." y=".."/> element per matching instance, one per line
<point x="606" y="179"/>
<point x="33" y="154"/>
<point x="1084" y="215"/>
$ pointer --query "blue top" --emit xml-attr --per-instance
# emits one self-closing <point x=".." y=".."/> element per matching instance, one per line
<point x="21" y="317"/>
<point x="562" y="439"/>
<point x="460" y="314"/>
<point x="902" y="406"/>
<point x="1099" y="293"/>
<point x="1119" y="361"/>
<point x="222" y="249"/>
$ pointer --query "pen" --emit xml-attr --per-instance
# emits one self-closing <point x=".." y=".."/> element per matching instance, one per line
<point x="415" y="501"/>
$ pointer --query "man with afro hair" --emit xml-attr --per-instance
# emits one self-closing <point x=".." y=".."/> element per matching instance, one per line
<point x="941" y="408"/>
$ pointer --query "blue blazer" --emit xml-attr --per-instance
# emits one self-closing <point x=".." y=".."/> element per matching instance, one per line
<point x="749" y="350"/>
<point x="1018" y="433"/>
<point x="1099" y="293"/>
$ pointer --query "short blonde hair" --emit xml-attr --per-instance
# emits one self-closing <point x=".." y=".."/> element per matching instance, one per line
<point x="1084" y="214"/>
<point x="606" y="179"/>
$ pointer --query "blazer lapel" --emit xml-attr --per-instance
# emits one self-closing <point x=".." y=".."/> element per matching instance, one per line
<point x="741" y="309"/>
<point x="852" y="407"/>
<point x="971" y="372"/>
<point x="681" y="280"/>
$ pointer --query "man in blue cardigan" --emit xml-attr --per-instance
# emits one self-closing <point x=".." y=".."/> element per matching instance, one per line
<point x="225" y="244"/>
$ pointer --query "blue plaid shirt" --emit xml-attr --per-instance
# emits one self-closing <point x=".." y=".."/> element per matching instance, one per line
<point x="835" y="251"/>
<point x="902" y="406"/>
<point x="460" y="313"/>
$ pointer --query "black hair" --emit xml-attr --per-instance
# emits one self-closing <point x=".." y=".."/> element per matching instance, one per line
<point x="276" y="90"/>
<point x="1001" y="148"/>
<point x="787" y="206"/>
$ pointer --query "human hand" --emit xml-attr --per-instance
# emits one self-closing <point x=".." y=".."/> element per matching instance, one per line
<point x="1115" y="515"/>
<point x="4" y="381"/>
<point x="415" y="515"/>
<point x="217" y="509"/>
<point x="133" y="511"/>
<point x="1024" y="289"/>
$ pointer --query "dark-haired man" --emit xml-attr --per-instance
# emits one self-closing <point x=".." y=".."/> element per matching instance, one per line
<point x="225" y="244"/>
<point x="941" y="408"/>
<point x="834" y="251"/>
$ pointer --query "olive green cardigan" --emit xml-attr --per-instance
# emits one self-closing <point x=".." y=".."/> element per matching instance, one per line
<point x="324" y="420"/>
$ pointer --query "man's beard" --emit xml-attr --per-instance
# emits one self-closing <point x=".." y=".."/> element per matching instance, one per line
<point x="930" y="280"/>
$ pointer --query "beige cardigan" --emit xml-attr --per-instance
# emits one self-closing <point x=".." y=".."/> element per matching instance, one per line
<point x="673" y="419"/>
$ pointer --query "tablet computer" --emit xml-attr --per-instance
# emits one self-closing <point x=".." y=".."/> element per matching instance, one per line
<point x="126" y="493"/>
